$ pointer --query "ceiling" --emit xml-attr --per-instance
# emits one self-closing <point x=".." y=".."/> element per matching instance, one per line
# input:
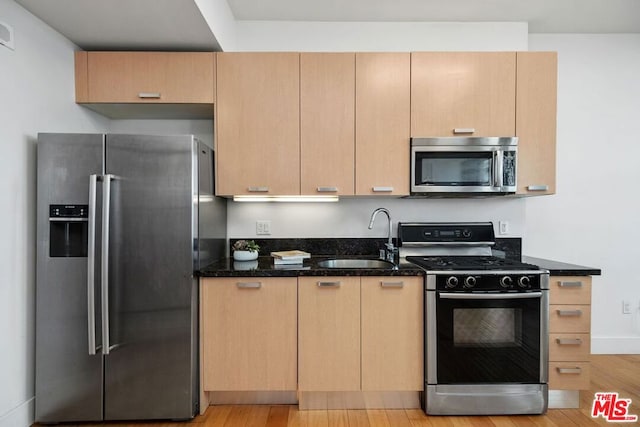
<point x="127" y="24"/>
<point x="179" y="24"/>
<point x="543" y="16"/>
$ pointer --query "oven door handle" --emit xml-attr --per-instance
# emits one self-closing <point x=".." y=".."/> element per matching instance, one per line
<point x="487" y="296"/>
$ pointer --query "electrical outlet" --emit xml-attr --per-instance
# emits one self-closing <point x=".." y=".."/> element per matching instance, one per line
<point x="503" y="227"/>
<point x="626" y="307"/>
<point x="263" y="227"/>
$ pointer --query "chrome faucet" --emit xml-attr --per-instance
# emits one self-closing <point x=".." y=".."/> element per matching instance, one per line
<point x="389" y="249"/>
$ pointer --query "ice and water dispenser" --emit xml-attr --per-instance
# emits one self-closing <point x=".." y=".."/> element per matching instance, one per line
<point x="68" y="230"/>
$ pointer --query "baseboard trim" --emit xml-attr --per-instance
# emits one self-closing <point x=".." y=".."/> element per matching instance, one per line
<point x="358" y="400"/>
<point x="615" y="345"/>
<point x="22" y="415"/>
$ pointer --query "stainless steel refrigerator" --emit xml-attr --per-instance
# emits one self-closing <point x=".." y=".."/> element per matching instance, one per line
<point x="122" y="223"/>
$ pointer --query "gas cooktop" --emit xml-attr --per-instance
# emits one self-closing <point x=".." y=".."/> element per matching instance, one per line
<point x="468" y="263"/>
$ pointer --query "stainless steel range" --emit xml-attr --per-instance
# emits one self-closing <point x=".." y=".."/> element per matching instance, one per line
<point x="486" y="322"/>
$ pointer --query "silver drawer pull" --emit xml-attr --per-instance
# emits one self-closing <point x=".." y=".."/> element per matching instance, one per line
<point x="329" y="284"/>
<point x="392" y="284"/>
<point x="574" y="371"/>
<point x="463" y="130"/>
<point x="569" y="341"/>
<point x="249" y="285"/>
<point x="569" y="313"/>
<point x="543" y="187"/>
<point x="327" y="189"/>
<point x="382" y="189"/>
<point x="576" y="284"/>
<point x="258" y="189"/>
<point x="149" y="95"/>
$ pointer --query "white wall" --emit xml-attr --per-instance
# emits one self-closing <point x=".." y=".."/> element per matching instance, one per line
<point x="36" y="95"/>
<point x="595" y="217"/>
<point x="379" y="36"/>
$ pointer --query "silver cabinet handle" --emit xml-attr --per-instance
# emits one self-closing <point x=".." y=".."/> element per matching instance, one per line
<point x="258" y="189"/>
<point x="569" y="313"/>
<point x="149" y="95"/>
<point x="569" y="341"/>
<point x="104" y="280"/>
<point x="249" y="285"/>
<point x="329" y="284"/>
<point x="575" y="370"/>
<point x="91" y="265"/>
<point x="576" y="284"/>
<point x="392" y="284"/>
<point x="463" y="130"/>
<point x="382" y="189"/>
<point x="543" y="187"/>
<point x="327" y="189"/>
<point x="68" y="219"/>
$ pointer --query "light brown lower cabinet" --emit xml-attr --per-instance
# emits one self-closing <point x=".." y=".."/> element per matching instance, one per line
<point x="249" y="333"/>
<point x="569" y="332"/>
<point x="392" y="333"/>
<point x="360" y="333"/>
<point x="329" y="333"/>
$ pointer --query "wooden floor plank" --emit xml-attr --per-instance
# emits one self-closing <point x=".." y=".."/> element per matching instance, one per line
<point x="216" y="416"/>
<point x="338" y="418"/>
<point x="378" y="418"/>
<point x="399" y="418"/>
<point x="278" y="416"/>
<point x="358" y="418"/>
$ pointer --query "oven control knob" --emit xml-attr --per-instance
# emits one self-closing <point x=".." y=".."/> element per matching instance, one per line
<point x="506" y="282"/>
<point x="524" y="282"/>
<point x="466" y="233"/>
<point x="469" y="282"/>
<point x="452" y="282"/>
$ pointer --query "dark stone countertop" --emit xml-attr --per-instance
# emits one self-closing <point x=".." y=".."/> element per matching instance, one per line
<point x="264" y="267"/>
<point x="557" y="268"/>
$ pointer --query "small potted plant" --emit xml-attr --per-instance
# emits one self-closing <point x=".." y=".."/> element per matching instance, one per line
<point x="245" y="250"/>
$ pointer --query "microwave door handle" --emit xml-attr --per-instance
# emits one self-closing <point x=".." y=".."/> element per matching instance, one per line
<point x="498" y="167"/>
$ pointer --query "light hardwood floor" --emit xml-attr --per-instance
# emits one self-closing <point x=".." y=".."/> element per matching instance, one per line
<point x="615" y="373"/>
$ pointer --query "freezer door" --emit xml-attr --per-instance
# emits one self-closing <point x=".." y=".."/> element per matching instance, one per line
<point x="150" y="369"/>
<point x="68" y="378"/>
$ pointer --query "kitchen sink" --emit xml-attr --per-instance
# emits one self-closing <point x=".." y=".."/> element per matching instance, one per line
<point x="356" y="263"/>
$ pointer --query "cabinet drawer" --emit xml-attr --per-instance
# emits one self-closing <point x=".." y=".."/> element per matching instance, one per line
<point x="569" y="375"/>
<point x="570" y="318"/>
<point x="570" y="290"/>
<point x="569" y="347"/>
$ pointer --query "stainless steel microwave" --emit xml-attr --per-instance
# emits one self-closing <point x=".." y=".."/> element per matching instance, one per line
<point x="463" y="165"/>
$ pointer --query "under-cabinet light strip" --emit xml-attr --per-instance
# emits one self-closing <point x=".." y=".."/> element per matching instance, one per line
<point x="294" y="199"/>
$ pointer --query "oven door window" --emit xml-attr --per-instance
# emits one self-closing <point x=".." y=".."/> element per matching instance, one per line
<point x="454" y="169"/>
<point x="488" y="341"/>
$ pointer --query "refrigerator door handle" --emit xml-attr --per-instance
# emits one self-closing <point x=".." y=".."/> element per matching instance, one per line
<point x="104" y="276"/>
<point x="91" y="266"/>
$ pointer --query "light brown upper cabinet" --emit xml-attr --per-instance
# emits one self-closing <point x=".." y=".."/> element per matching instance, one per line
<point x="258" y="124"/>
<point x="327" y="87"/>
<point x="145" y="77"/>
<point x="463" y="93"/>
<point x="536" y="122"/>
<point x="383" y="93"/>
